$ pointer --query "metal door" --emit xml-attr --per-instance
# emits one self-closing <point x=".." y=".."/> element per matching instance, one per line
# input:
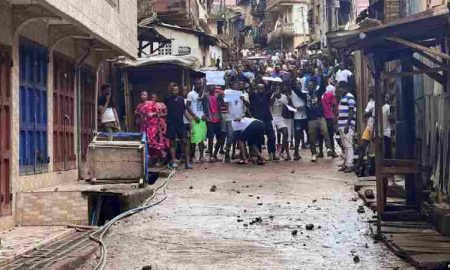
<point x="33" y="107"/>
<point x="88" y="113"/>
<point x="63" y="113"/>
<point x="5" y="131"/>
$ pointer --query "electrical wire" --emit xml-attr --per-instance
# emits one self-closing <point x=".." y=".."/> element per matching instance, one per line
<point x="144" y="206"/>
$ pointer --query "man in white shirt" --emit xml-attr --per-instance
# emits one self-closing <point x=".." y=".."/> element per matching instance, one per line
<point x="251" y="131"/>
<point x="277" y="102"/>
<point x="387" y="123"/>
<point x="300" y="117"/>
<point x="195" y="101"/>
<point x="343" y="74"/>
<point x="234" y="98"/>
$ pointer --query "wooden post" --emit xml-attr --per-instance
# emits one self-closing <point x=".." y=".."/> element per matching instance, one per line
<point x="128" y="110"/>
<point x="378" y="94"/>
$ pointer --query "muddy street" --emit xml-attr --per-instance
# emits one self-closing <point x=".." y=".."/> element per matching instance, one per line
<point x="256" y="218"/>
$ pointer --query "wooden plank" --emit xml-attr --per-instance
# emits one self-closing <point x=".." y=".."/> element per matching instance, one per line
<point x="421" y="66"/>
<point x="396" y="230"/>
<point x="397" y="170"/>
<point x="390" y="75"/>
<point x="418" y="47"/>
<point x="367" y="178"/>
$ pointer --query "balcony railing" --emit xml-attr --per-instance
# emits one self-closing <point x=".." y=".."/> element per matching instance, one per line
<point x="273" y="3"/>
<point x="284" y="30"/>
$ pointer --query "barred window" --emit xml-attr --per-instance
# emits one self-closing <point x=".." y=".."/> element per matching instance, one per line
<point x="166" y="49"/>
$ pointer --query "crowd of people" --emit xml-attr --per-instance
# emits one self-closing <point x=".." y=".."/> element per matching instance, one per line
<point x="279" y="106"/>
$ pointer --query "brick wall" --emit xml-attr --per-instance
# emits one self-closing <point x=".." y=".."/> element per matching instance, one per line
<point x="51" y="208"/>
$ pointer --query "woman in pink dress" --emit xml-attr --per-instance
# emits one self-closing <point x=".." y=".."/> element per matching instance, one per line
<point x="148" y="119"/>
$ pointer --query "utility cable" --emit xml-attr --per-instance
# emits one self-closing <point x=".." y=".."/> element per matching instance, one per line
<point x="144" y="206"/>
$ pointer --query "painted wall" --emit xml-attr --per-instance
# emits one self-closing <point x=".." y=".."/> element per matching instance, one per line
<point x="182" y="39"/>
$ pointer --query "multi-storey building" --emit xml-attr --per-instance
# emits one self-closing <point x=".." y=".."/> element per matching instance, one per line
<point x="50" y="54"/>
<point x="287" y="23"/>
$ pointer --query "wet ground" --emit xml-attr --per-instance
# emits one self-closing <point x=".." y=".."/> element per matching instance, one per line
<point x="196" y="228"/>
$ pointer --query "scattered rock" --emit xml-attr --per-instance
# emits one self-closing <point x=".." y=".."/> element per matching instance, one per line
<point x="356" y="259"/>
<point x="309" y="226"/>
<point x="238" y="192"/>
<point x="294" y="233"/>
<point x="361" y="209"/>
<point x="245" y="225"/>
<point x="213" y="189"/>
<point x="304" y="245"/>
<point x="288" y="203"/>
<point x="247" y="186"/>
<point x="250" y="195"/>
<point x="271" y="217"/>
<point x="293" y="171"/>
<point x="260" y="185"/>
<point x="245" y="211"/>
<point x="191" y="187"/>
<point x="147" y="267"/>
<point x="260" y="203"/>
<point x="240" y="220"/>
<point x="206" y="168"/>
<point x="257" y="197"/>
<point x="354" y="199"/>
<point x="314" y="201"/>
<point x="368" y="193"/>
<point x="234" y="182"/>
<point x="366" y="246"/>
<point x="319" y="227"/>
<point x="258" y="220"/>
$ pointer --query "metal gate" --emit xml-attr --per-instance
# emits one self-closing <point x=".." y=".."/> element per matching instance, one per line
<point x="5" y="131"/>
<point x="63" y="113"/>
<point x="33" y="107"/>
<point x="88" y="113"/>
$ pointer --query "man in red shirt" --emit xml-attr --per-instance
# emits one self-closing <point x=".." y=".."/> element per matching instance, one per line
<point x="329" y="105"/>
<point x="213" y="123"/>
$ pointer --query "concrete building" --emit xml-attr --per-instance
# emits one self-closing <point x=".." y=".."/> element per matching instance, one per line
<point x="287" y="23"/>
<point x="50" y="54"/>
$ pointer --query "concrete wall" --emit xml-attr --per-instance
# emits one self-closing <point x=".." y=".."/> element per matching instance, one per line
<point x="117" y="26"/>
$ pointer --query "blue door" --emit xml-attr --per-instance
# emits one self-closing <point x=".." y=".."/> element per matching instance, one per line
<point x="33" y="107"/>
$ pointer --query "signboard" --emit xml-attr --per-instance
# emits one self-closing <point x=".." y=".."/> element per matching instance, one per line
<point x="215" y="77"/>
<point x="184" y="50"/>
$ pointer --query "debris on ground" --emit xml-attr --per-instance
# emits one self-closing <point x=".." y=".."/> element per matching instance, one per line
<point x="368" y="193"/>
<point x="309" y="226"/>
<point x="361" y="209"/>
<point x="213" y="189"/>
<point x="294" y="233"/>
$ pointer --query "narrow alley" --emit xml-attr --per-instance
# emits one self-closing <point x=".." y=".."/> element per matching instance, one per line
<point x="256" y="219"/>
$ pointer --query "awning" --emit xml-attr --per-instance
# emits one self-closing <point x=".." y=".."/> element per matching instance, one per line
<point x="187" y="61"/>
<point x="431" y="24"/>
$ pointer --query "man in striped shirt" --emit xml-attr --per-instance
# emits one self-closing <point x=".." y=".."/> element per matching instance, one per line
<point x="346" y="124"/>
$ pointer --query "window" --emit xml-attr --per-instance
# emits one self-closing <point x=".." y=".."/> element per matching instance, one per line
<point x="166" y="49"/>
